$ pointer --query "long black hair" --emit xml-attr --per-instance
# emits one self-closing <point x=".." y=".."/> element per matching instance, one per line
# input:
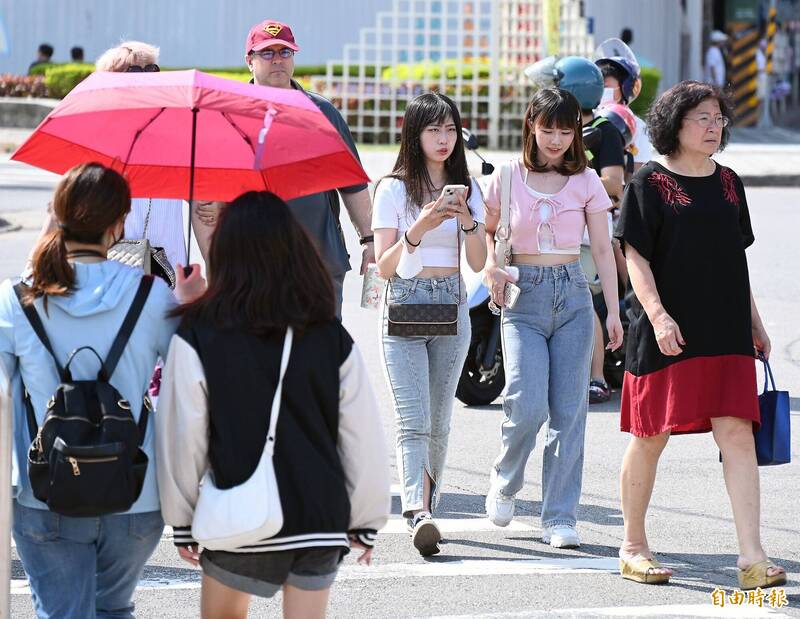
<point x="264" y="271"/>
<point x="431" y="108"/>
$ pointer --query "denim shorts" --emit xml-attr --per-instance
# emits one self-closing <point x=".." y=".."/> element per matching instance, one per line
<point x="264" y="573"/>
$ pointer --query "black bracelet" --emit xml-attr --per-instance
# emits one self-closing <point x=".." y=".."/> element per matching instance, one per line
<point x="405" y="235"/>
<point x="472" y="229"/>
<point x="369" y="238"/>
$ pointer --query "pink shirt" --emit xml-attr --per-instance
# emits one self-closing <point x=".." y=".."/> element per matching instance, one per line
<point x="548" y="223"/>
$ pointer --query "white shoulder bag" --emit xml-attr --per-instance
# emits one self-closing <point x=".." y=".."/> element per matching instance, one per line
<point x="250" y="512"/>
<point x="502" y="236"/>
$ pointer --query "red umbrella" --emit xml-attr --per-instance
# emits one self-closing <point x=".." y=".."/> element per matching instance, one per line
<point x="190" y="135"/>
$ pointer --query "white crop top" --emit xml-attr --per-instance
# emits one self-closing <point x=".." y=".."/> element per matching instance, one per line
<point x="438" y="247"/>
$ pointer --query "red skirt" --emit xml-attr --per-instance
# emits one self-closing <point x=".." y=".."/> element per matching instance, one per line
<point x="684" y="396"/>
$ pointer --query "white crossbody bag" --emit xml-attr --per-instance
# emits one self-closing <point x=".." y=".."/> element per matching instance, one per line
<point x="250" y="512"/>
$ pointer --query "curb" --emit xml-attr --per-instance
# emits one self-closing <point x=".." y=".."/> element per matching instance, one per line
<point x="770" y="180"/>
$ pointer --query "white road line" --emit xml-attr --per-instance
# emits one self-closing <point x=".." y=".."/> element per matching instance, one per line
<point x="469" y="567"/>
<point x="458" y="525"/>
<point x="669" y="610"/>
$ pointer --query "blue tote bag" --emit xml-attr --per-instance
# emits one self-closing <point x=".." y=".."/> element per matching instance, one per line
<point x="773" y="438"/>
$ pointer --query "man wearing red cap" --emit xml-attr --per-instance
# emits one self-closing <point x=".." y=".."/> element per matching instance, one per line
<point x="269" y="53"/>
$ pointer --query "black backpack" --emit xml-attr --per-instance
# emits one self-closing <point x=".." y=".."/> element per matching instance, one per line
<point x="86" y="458"/>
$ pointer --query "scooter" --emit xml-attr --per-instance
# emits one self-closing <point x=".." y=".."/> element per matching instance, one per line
<point x="482" y="377"/>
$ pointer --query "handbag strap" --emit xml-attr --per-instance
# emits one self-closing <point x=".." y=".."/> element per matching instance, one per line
<point x="147" y="217"/>
<point x="276" y="399"/>
<point x="768" y="377"/>
<point x="503" y="232"/>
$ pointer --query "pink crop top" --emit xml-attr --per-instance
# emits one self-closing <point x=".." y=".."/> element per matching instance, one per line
<point x="548" y="224"/>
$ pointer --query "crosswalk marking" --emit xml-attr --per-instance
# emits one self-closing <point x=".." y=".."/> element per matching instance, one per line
<point x="458" y="525"/>
<point x="667" y="610"/>
<point x="466" y="567"/>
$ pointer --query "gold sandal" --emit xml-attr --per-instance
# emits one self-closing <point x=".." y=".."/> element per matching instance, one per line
<point x="640" y="570"/>
<point x="756" y="576"/>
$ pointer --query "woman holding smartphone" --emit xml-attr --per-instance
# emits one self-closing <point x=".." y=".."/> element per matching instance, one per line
<point x="420" y="222"/>
<point x="547" y="335"/>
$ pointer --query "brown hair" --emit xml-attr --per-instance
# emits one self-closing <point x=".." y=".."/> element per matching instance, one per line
<point x="89" y="200"/>
<point x="557" y="108"/>
<point x="264" y="271"/>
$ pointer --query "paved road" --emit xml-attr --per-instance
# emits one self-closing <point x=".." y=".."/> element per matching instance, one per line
<point x="490" y="572"/>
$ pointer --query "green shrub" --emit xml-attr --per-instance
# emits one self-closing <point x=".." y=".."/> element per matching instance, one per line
<point x="429" y="70"/>
<point x="650" y="80"/>
<point x="41" y="68"/>
<point x="61" y="79"/>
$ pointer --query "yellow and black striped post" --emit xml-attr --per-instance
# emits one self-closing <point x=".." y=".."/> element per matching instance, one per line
<point x="744" y="77"/>
<point x="772" y="26"/>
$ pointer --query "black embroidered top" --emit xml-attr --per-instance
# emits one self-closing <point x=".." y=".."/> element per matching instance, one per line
<point x="693" y="231"/>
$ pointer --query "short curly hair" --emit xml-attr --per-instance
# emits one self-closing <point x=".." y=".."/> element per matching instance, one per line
<point x="665" y="118"/>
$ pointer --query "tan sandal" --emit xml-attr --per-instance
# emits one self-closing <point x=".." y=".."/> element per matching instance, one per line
<point x="756" y="576"/>
<point x="641" y="570"/>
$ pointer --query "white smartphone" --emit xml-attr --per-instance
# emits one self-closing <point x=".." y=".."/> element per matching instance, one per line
<point x="450" y="194"/>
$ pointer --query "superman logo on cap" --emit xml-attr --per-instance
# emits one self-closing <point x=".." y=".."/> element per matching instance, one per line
<point x="273" y="29"/>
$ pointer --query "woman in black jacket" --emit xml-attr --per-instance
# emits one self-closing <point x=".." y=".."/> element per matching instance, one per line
<point x="331" y="461"/>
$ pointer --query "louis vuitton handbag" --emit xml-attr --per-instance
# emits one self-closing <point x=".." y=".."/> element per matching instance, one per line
<point x="424" y="318"/>
<point x="139" y="253"/>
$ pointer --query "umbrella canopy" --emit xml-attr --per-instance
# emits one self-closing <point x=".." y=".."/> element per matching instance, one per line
<point x="187" y="134"/>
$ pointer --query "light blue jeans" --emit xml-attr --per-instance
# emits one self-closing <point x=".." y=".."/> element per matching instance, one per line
<point x="422" y="373"/>
<point x="84" y="568"/>
<point x="547" y="350"/>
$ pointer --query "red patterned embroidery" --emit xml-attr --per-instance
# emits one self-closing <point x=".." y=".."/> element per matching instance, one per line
<point x="671" y="192"/>
<point x="729" y="186"/>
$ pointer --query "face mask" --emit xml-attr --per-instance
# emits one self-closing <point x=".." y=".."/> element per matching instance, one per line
<point x="608" y="96"/>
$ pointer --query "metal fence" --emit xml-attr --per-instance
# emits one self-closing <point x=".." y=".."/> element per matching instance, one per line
<point x="5" y="495"/>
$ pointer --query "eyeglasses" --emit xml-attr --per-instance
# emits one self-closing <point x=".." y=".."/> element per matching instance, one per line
<point x="148" y="68"/>
<point x="707" y="121"/>
<point x="269" y="54"/>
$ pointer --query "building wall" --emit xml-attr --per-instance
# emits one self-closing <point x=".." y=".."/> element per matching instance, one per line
<point x="660" y="32"/>
<point x="190" y="33"/>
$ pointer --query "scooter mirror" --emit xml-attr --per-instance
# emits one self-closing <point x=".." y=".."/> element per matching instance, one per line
<point x="486" y="168"/>
<point x="470" y="141"/>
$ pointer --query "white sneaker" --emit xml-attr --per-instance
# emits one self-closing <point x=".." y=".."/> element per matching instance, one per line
<point x="561" y="536"/>
<point x="425" y="534"/>
<point x="499" y="508"/>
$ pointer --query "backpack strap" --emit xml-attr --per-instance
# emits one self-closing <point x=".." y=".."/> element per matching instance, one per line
<point x="128" y="324"/>
<point x="38" y="328"/>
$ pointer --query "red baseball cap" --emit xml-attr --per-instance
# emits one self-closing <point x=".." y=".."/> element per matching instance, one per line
<point x="268" y="33"/>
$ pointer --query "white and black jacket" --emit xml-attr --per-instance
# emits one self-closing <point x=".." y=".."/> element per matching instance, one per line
<point x="331" y="460"/>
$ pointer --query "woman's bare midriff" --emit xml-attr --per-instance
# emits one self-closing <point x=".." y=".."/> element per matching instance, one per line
<point x="543" y="260"/>
<point x="435" y="272"/>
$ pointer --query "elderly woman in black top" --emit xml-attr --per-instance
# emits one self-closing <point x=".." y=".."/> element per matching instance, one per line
<point x="690" y="360"/>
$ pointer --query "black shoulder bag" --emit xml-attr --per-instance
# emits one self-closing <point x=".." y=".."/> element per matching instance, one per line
<point x="86" y="458"/>
<point x="425" y="318"/>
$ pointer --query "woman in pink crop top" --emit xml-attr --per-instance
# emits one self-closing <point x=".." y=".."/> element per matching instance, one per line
<point x="547" y="335"/>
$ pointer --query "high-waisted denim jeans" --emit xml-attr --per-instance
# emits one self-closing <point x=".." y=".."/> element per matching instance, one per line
<point x="422" y="373"/>
<point x="547" y="349"/>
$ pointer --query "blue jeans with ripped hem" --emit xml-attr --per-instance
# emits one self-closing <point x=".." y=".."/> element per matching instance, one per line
<point x="422" y="373"/>
<point x="547" y="351"/>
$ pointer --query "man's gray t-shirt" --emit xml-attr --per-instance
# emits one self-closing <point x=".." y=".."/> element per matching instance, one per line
<point x="315" y="212"/>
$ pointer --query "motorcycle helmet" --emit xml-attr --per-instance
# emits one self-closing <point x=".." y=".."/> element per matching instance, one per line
<point x="582" y="79"/>
<point x="622" y="118"/>
<point x="617" y="54"/>
<point x="577" y="75"/>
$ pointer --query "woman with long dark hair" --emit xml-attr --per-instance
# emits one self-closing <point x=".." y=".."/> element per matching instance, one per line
<point x="81" y="566"/>
<point x="220" y="377"/>
<point x="418" y="241"/>
<point x="547" y="335"/>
